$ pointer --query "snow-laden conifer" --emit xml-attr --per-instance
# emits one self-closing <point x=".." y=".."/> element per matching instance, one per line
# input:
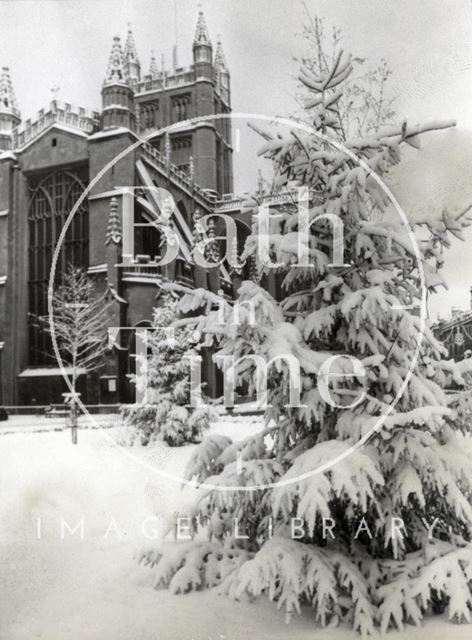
<point x="163" y="378"/>
<point x="389" y="471"/>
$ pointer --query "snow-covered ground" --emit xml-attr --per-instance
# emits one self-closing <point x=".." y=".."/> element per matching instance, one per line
<point x="31" y="423"/>
<point x="59" y="587"/>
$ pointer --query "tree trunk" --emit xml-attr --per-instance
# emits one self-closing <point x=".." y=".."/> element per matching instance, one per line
<point x="73" y="421"/>
<point x="73" y="413"/>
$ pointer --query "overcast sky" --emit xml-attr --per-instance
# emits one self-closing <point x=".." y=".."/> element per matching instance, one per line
<point x="427" y="43"/>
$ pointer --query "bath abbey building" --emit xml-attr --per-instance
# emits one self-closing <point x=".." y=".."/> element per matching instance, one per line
<point x="47" y="162"/>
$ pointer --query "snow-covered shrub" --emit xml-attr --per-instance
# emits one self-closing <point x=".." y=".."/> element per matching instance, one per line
<point x="379" y="491"/>
<point x="193" y="565"/>
<point x="166" y="413"/>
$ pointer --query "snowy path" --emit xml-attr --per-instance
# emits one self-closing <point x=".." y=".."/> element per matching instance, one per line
<point x="92" y="588"/>
<point x="31" y="423"/>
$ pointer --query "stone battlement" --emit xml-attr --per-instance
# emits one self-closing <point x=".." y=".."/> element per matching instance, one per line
<point x="61" y="112"/>
<point x="166" y="80"/>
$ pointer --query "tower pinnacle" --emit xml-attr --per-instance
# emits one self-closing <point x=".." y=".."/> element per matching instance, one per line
<point x="220" y="58"/>
<point x="130" y="52"/>
<point x="222" y="73"/>
<point x="153" y="70"/>
<point x="131" y="60"/>
<point x="114" y="226"/>
<point x="118" y="90"/>
<point x="10" y="116"/>
<point x="201" y="33"/>
<point x="116" y="71"/>
<point x="7" y="95"/>
<point x="202" y="50"/>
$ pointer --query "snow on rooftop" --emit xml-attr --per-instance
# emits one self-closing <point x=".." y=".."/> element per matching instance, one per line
<point x="116" y="131"/>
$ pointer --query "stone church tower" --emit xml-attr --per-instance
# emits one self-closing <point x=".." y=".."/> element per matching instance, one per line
<point x="164" y="97"/>
<point x="48" y="162"/>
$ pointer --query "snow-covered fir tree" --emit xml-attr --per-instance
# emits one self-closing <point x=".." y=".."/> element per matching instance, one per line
<point x="381" y="537"/>
<point x="163" y="378"/>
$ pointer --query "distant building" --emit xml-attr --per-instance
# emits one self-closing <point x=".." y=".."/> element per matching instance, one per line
<point x="456" y="333"/>
<point x="46" y="164"/>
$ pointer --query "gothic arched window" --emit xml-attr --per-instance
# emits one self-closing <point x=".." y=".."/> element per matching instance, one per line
<point x="150" y="115"/>
<point x="52" y="199"/>
<point x="181" y="107"/>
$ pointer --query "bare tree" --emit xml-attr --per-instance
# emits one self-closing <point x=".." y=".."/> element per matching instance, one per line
<point x="366" y="103"/>
<point x="80" y="329"/>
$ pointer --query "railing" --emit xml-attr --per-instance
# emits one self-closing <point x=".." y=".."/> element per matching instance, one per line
<point x="148" y="269"/>
<point x="64" y="113"/>
<point x="461" y="318"/>
<point x="183" y="273"/>
<point x="167" y="80"/>
<point x="151" y="269"/>
<point x="174" y="173"/>
<point x="228" y="202"/>
<point x="231" y="201"/>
